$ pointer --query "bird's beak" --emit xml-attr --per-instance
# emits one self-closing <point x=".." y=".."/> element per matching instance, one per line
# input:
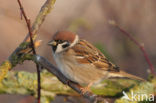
<point x="52" y="43"/>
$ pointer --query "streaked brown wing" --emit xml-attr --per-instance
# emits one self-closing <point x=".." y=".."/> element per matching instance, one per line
<point x="87" y="53"/>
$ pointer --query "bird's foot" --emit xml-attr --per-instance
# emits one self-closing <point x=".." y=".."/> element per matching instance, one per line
<point x="86" y="89"/>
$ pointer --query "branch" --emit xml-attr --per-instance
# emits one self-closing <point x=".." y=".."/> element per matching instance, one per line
<point x="55" y="71"/>
<point x="28" y="22"/>
<point x="137" y="43"/>
<point x="22" y="53"/>
<point x="108" y="88"/>
<point x="25" y="83"/>
<point x="99" y="89"/>
<point x="19" y="55"/>
<point x="45" y="10"/>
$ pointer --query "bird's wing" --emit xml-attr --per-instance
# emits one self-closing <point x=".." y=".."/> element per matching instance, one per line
<point x="86" y="53"/>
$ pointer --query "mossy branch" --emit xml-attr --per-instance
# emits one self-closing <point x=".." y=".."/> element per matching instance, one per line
<point x="18" y="55"/>
<point x="25" y="83"/>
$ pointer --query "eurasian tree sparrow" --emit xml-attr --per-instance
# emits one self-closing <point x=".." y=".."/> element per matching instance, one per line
<point x="81" y="62"/>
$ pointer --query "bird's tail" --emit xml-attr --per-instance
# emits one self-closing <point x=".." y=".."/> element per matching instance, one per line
<point x="122" y="74"/>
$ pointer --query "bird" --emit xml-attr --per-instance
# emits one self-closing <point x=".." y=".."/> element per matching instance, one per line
<point x="81" y="62"/>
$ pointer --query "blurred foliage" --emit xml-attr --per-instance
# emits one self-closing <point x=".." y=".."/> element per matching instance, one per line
<point x="77" y="23"/>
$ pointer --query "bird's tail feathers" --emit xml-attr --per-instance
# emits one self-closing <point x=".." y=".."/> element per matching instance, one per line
<point x="122" y="74"/>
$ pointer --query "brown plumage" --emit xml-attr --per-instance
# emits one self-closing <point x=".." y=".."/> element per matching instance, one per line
<point x="83" y="63"/>
<point x="64" y="35"/>
<point x="92" y="55"/>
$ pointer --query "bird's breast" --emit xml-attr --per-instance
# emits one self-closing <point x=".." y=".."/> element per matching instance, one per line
<point x="80" y="73"/>
<point x="65" y="65"/>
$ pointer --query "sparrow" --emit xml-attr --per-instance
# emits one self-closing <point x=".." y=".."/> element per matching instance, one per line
<point x="81" y="62"/>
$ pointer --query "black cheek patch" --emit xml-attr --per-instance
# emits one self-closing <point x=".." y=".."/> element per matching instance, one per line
<point x="54" y="48"/>
<point x="65" y="45"/>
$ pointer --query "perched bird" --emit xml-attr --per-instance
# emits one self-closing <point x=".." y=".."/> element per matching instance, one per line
<point x="81" y="62"/>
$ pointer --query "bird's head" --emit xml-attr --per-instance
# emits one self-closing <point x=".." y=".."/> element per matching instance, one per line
<point x="63" y="40"/>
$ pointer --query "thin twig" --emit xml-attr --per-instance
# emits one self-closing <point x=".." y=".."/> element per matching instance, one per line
<point x="18" y="55"/>
<point x="44" y="11"/>
<point x="28" y="22"/>
<point x="137" y="43"/>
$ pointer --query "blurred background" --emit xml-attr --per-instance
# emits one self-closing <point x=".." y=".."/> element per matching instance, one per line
<point x="89" y="19"/>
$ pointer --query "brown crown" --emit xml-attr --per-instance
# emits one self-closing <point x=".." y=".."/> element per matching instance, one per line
<point x="64" y="35"/>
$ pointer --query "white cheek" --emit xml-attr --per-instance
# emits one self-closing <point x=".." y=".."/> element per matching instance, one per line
<point x="59" y="48"/>
<point x="75" y="41"/>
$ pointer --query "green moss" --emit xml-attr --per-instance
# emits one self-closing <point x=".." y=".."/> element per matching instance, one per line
<point x="4" y="68"/>
<point x="112" y="87"/>
<point x="24" y="45"/>
<point x="143" y="88"/>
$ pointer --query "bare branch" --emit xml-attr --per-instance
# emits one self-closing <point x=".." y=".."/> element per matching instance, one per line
<point x="18" y="57"/>
<point x="20" y="53"/>
<point x="28" y="22"/>
<point x="137" y="43"/>
<point x="44" y="11"/>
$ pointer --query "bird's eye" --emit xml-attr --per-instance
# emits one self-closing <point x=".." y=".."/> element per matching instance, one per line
<point x="66" y="45"/>
<point x="59" y="41"/>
